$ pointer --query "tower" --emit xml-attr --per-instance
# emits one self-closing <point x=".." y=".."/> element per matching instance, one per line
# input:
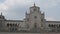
<point x="2" y="22"/>
<point x="2" y="18"/>
<point x="35" y="19"/>
<point x="35" y="16"/>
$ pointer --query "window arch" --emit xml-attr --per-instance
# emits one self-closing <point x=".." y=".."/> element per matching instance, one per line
<point x="8" y="25"/>
<point x="49" y="25"/>
<point x="59" y="25"/>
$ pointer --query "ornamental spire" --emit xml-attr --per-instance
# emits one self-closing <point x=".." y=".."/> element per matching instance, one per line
<point x="1" y="13"/>
<point x="26" y="12"/>
<point x="34" y="4"/>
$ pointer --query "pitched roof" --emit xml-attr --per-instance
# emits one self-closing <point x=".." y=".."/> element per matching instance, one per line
<point x="14" y="20"/>
<point x="53" y="21"/>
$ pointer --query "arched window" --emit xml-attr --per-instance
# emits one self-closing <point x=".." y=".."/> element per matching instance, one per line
<point x="8" y="25"/>
<point x="11" y="25"/>
<point x="49" y="25"/>
<point x="59" y="25"/>
<point x="54" y="25"/>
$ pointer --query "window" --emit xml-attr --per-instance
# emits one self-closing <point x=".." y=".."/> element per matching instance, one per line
<point x="49" y="25"/>
<point x="15" y="24"/>
<point x="27" y="19"/>
<point x="0" y="21"/>
<point x="59" y="25"/>
<point x="7" y="25"/>
<point x="34" y="9"/>
<point x="11" y="25"/>
<point x="35" y="17"/>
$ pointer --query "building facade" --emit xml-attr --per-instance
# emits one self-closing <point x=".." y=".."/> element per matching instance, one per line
<point x="34" y="22"/>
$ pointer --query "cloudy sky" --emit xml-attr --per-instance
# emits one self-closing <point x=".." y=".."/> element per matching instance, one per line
<point x="15" y="9"/>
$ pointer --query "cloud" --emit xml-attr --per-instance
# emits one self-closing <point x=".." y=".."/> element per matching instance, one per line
<point x="9" y="3"/>
<point x="49" y="3"/>
<point x="12" y="8"/>
<point x="5" y="5"/>
<point x="17" y="8"/>
<point x="1" y="1"/>
<point x="50" y="19"/>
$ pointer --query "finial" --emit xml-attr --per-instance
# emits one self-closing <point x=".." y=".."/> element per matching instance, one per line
<point x="34" y="4"/>
<point x="43" y="13"/>
<point x="26" y="12"/>
<point x="1" y="13"/>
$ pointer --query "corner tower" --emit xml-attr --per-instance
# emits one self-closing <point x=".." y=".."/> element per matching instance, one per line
<point x="2" y="22"/>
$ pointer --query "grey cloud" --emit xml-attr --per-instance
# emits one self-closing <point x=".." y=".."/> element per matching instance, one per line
<point x="18" y="9"/>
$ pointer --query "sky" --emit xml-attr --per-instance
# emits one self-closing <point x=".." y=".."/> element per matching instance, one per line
<point x="15" y="9"/>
